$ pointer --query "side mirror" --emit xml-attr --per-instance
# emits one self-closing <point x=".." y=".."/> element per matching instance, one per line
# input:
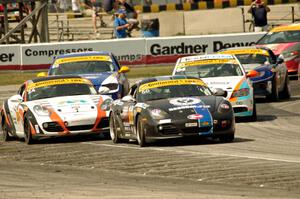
<point x="280" y="59"/>
<point x="103" y="90"/>
<point x="42" y="74"/>
<point x="16" y="99"/>
<point x="124" y="69"/>
<point x="128" y="98"/>
<point x="252" y="73"/>
<point x="219" y="92"/>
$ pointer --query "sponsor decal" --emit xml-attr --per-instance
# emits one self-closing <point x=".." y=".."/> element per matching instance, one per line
<point x="142" y="105"/>
<point x="57" y="82"/>
<point x="176" y="82"/>
<point x="182" y="48"/>
<point x="219" y="45"/>
<point x="83" y="58"/>
<point x="164" y="121"/>
<point x="49" y="53"/>
<point x="193" y="124"/>
<point x="130" y="58"/>
<point x="6" y="57"/>
<point x="188" y="107"/>
<point x="195" y="116"/>
<point x="246" y="51"/>
<point x="209" y="61"/>
<point x="185" y="101"/>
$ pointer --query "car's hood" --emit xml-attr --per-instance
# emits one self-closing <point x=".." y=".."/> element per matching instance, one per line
<point x="280" y="47"/>
<point x="182" y="107"/>
<point x="69" y="104"/>
<point x="100" y="78"/>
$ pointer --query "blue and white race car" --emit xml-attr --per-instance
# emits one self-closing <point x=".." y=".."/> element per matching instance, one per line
<point x="220" y="71"/>
<point x="272" y="80"/>
<point x="101" y="68"/>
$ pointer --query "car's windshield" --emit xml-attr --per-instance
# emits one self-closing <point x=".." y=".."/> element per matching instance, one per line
<point x="211" y="70"/>
<point x="59" y="90"/>
<point x="253" y="59"/>
<point x="82" y="67"/>
<point x="170" y="91"/>
<point x="280" y="37"/>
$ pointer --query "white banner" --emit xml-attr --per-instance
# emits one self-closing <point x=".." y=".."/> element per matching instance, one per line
<point x="134" y="51"/>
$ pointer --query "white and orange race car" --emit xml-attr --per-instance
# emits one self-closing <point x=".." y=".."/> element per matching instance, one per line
<point x="54" y="106"/>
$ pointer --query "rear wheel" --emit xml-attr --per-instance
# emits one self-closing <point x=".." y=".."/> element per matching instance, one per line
<point x="274" y="93"/>
<point x="286" y="93"/>
<point x="5" y="132"/>
<point x="27" y="132"/>
<point x="113" y="130"/>
<point x="140" y="133"/>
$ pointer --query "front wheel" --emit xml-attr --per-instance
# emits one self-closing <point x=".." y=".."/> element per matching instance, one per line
<point x="27" y="132"/>
<point x="140" y="133"/>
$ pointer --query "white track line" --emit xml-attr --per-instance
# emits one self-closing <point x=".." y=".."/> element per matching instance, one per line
<point x="193" y="152"/>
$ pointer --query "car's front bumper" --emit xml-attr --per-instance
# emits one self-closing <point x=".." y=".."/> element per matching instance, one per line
<point x="243" y="107"/>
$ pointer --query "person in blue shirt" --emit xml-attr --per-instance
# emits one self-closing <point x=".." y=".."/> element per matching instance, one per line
<point x="121" y="25"/>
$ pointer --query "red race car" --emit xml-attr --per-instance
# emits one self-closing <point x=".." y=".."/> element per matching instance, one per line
<point x="285" y="40"/>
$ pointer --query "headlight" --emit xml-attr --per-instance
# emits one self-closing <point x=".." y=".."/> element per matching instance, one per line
<point x="112" y="86"/>
<point x="240" y="93"/>
<point x="41" y="110"/>
<point x="290" y="55"/>
<point x="105" y="106"/>
<point x="224" y="107"/>
<point x="158" y="114"/>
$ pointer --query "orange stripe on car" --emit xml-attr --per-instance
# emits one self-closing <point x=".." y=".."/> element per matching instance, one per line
<point x="55" y="118"/>
<point x="237" y="87"/>
<point x="101" y="114"/>
<point x="6" y="118"/>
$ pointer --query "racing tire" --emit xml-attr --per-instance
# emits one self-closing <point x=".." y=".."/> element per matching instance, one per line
<point x="113" y="130"/>
<point x="274" y="93"/>
<point x="140" y="133"/>
<point x="27" y="133"/>
<point x="226" y="138"/>
<point x="253" y="117"/>
<point x="286" y="93"/>
<point x="5" y="133"/>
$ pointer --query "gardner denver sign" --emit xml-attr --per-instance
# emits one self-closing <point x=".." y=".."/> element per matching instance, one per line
<point x="138" y="51"/>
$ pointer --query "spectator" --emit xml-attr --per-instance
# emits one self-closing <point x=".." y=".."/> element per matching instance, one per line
<point x="75" y="6"/>
<point x="259" y="13"/>
<point x="120" y="24"/>
<point x="95" y="5"/>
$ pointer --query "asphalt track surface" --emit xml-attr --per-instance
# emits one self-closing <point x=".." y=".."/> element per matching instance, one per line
<point x="262" y="162"/>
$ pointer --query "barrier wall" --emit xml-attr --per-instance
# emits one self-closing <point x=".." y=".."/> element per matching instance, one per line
<point x="137" y="51"/>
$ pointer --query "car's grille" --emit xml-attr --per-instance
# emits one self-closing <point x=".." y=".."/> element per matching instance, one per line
<point x="52" y="127"/>
<point x="168" y="129"/>
<point x="195" y="130"/>
<point x="80" y="127"/>
<point x="239" y="109"/>
<point x="103" y="123"/>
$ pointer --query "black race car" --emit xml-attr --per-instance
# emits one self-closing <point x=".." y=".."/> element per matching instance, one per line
<point x="171" y="107"/>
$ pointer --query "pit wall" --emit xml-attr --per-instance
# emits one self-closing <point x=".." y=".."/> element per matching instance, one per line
<point x="134" y="51"/>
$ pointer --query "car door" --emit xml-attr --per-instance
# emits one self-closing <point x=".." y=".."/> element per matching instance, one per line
<point x="16" y="109"/>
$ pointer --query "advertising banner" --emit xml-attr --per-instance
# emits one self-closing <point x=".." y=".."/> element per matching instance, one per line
<point x="133" y="51"/>
<point x="10" y="57"/>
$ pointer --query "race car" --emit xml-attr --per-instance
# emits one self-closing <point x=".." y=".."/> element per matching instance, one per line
<point x="272" y="80"/>
<point x="54" y="106"/>
<point x="101" y="68"/>
<point x="225" y="72"/>
<point x="285" y="40"/>
<point x="171" y="107"/>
